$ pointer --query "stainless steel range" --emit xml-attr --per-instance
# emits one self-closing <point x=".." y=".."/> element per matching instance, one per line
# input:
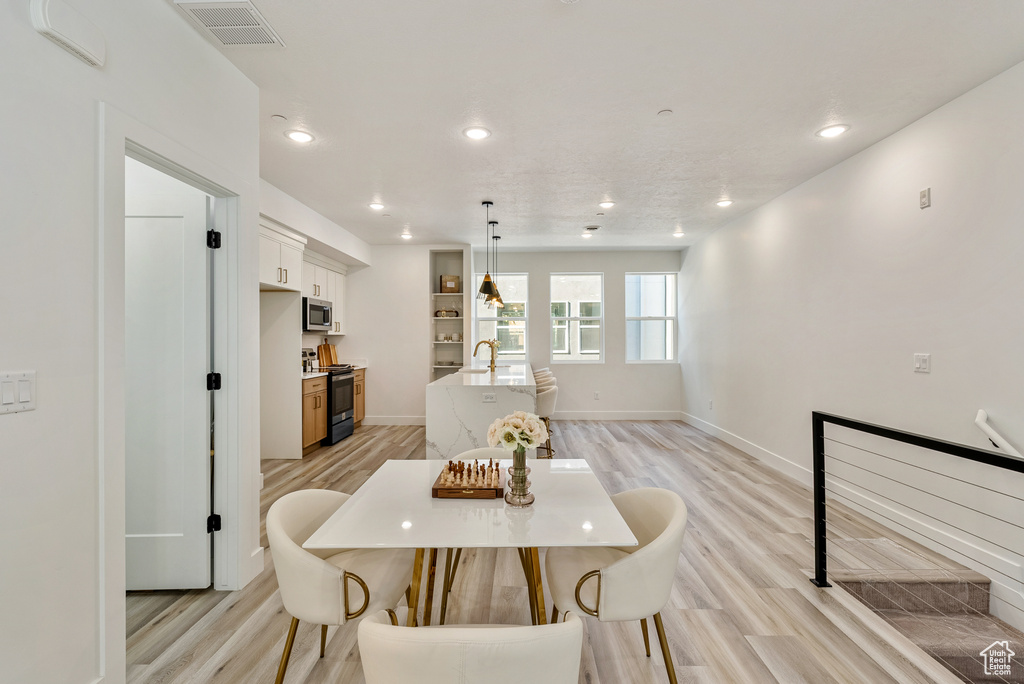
<point x="340" y="403"/>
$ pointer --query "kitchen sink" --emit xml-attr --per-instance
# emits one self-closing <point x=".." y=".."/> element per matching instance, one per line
<point x="499" y="367"/>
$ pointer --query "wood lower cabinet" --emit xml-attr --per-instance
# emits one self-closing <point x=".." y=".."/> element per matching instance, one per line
<point x="314" y="411"/>
<point x="359" y="395"/>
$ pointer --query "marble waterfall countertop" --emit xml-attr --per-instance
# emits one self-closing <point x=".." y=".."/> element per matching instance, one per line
<point x="479" y="375"/>
<point x="461" y="406"/>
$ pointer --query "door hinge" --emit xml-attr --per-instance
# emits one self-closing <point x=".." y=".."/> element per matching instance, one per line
<point x="213" y="381"/>
<point x="213" y="239"/>
<point x="213" y="523"/>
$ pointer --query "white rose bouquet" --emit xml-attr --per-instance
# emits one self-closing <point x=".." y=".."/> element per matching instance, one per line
<point x="520" y="429"/>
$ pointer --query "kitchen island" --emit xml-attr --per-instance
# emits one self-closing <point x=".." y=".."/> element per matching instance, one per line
<point x="461" y="406"/>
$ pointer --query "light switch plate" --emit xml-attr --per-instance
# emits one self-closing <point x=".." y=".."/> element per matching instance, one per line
<point x="490" y="398"/>
<point x="922" y="363"/>
<point x="926" y="198"/>
<point x="17" y="391"/>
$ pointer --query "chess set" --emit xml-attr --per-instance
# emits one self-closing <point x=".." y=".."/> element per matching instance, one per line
<point x="459" y="480"/>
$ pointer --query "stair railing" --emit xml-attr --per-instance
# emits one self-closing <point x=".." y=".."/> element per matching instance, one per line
<point x="819" y="419"/>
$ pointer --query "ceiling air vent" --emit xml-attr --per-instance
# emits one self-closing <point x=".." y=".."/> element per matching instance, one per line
<point x="231" y="24"/>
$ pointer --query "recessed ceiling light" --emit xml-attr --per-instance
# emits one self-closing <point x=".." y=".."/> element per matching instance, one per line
<point x="299" y="136"/>
<point x="587" y="235"/>
<point x="476" y="133"/>
<point x="665" y="112"/>
<point x="606" y="205"/>
<point x="678" y="234"/>
<point x="386" y="215"/>
<point x="832" y="131"/>
<point x="376" y="206"/>
<point x="600" y="213"/>
<point x="406" y="236"/>
<point x="723" y="203"/>
<point x="278" y="117"/>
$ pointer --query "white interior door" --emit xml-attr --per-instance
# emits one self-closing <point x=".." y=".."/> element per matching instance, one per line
<point x="167" y="405"/>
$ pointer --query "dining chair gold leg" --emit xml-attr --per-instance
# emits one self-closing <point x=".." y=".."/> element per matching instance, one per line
<point x="455" y="568"/>
<point x="414" y="590"/>
<point x="664" y="649"/>
<point x="528" y="574"/>
<point x="287" y="650"/>
<point x="323" y="639"/>
<point x="538" y="585"/>
<point x="647" y="640"/>
<point x="428" y="602"/>
<point x="446" y="585"/>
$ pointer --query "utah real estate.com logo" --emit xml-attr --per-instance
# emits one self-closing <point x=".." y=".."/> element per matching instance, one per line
<point x="997" y="658"/>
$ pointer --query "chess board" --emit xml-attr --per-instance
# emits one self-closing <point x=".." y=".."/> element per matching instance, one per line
<point x="463" y="480"/>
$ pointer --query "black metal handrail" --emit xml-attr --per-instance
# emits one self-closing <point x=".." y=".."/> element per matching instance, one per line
<point x="952" y="448"/>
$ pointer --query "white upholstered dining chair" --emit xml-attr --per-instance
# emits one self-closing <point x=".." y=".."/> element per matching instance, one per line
<point x="627" y="583"/>
<point x="328" y="587"/>
<point x="469" y="654"/>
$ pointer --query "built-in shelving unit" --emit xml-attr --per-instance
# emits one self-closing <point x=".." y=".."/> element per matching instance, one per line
<point x="449" y="333"/>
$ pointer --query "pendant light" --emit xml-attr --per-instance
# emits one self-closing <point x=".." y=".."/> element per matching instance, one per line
<point x="487" y="287"/>
<point x="495" y="301"/>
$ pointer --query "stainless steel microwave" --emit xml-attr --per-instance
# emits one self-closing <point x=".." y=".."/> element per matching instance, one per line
<point x="316" y="315"/>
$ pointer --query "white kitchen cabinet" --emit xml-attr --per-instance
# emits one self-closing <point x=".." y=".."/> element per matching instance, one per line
<point x="280" y="261"/>
<point x="336" y="288"/>
<point x="314" y="281"/>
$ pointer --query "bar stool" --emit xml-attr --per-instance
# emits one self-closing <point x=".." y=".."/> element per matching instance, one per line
<point x="546" y="397"/>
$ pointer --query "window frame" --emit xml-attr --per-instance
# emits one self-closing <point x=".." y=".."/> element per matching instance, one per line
<point x="497" y="319"/>
<point x="564" y="327"/>
<point x="673" y="320"/>
<point x="595" y="357"/>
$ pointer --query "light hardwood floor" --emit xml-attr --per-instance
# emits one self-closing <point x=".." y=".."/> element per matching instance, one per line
<point x="742" y="609"/>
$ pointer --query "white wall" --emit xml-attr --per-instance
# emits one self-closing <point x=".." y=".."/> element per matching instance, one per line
<point x="280" y="376"/>
<point x="819" y="299"/>
<point x="388" y="324"/>
<point x="53" y="512"/>
<point x="634" y="391"/>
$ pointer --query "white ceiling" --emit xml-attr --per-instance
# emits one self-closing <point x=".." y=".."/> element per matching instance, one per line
<point x="572" y="94"/>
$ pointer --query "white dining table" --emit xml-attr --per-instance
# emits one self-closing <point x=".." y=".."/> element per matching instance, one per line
<point x="394" y="509"/>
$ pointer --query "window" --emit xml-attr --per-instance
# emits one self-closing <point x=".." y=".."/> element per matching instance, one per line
<point x="559" y="327"/>
<point x="507" y="325"/>
<point x="577" y="317"/>
<point x="650" y="317"/>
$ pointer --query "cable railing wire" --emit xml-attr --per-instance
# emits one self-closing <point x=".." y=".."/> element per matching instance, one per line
<point x="835" y="486"/>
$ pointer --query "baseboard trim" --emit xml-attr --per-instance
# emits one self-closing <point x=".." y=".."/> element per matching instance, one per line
<point x="616" y="415"/>
<point x="394" y="420"/>
<point x="783" y="465"/>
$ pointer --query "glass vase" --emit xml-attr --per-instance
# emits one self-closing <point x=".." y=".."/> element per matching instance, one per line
<point x="518" y="495"/>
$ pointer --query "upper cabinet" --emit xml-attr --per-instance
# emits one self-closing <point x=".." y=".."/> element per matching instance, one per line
<point x="315" y="281"/>
<point x="323" y="278"/>
<point x="280" y="259"/>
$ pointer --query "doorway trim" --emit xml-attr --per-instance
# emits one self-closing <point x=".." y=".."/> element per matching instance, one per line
<point x="238" y="556"/>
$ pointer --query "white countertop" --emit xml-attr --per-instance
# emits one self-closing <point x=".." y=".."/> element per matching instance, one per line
<point x="320" y="373"/>
<point x="507" y="373"/>
<point x="394" y="509"/>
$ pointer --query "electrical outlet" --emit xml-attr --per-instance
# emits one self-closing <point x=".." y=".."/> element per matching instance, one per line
<point x="490" y="398"/>
<point x="926" y="198"/>
<point x="922" y="363"/>
<point x="711" y="405"/>
<point x="597" y="396"/>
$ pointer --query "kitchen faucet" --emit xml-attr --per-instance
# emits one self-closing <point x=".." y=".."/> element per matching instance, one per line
<point x="493" y="344"/>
